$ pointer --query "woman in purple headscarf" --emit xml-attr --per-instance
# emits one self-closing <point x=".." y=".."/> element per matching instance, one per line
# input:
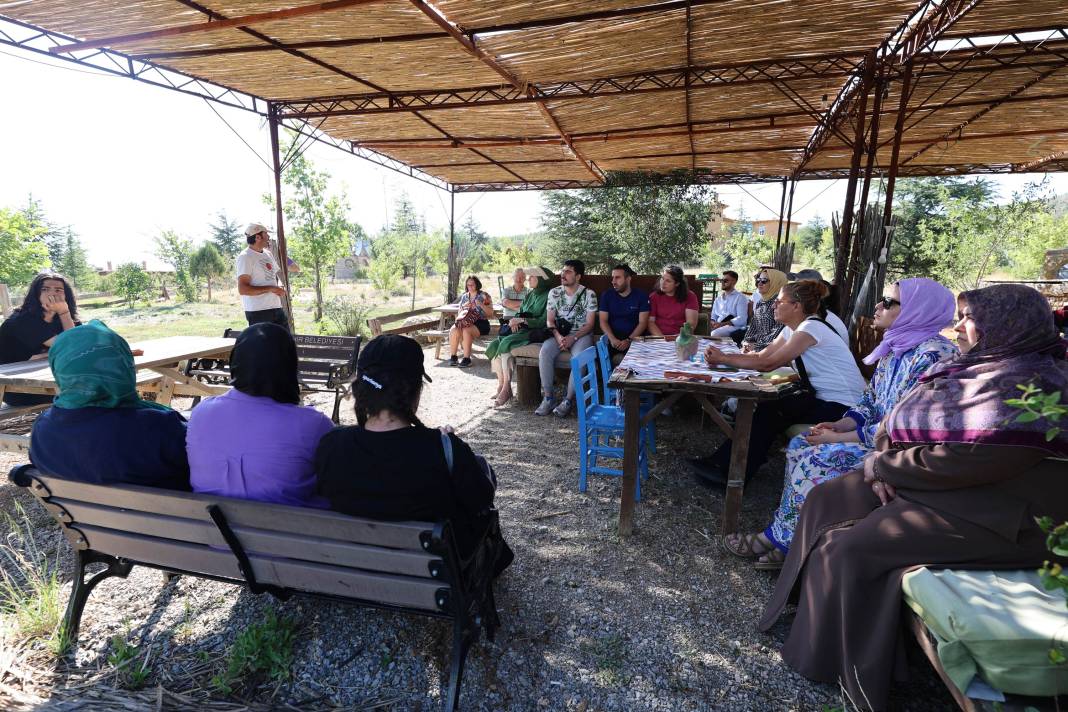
<point x="912" y="312"/>
<point x="956" y="481"/>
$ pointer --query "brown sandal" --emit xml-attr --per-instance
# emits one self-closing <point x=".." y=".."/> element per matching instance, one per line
<point x="774" y="560"/>
<point x="744" y="548"/>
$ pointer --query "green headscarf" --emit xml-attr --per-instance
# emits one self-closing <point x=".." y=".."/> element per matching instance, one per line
<point x="534" y="304"/>
<point x="94" y="368"/>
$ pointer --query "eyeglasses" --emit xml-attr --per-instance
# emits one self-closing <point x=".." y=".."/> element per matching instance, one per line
<point x="762" y="281"/>
<point x="887" y="302"/>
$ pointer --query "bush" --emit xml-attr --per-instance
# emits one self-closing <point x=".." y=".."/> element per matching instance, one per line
<point x="384" y="274"/>
<point x="345" y="316"/>
<point x="132" y="283"/>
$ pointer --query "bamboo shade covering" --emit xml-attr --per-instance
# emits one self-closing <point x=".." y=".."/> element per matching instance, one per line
<point x="528" y="93"/>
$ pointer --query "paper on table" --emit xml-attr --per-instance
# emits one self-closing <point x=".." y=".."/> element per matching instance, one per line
<point x="651" y="359"/>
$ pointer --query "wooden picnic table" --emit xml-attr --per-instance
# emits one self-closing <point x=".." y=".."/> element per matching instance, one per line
<point x="157" y="368"/>
<point x="748" y="393"/>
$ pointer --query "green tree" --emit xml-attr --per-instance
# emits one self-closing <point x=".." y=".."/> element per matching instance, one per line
<point x="227" y="236"/>
<point x="177" y="251"/>
<point x="23" y="251"/>
<point x="647" y="225"/>
<point x="207" y="264"/>
<point x="319" y="226"/>
<point x="923" y="208"/>
<point x="132" y="283"/>
<point x="74" y="262"/>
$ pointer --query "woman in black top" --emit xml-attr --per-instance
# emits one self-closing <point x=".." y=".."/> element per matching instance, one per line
<point x="390" y="466"/>
<point x="48" y="310"/>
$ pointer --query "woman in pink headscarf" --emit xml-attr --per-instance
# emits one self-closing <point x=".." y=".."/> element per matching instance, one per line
<point x="956" y="481"/>
<point x="912" y="312"/>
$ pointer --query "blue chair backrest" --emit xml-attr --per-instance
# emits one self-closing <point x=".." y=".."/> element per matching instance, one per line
<point x="604" y="361"/>
<point x="584" y="374"/>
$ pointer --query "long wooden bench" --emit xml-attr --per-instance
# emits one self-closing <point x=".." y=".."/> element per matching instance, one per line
<point x="324" y="364"/>
<point x="414" y="567"/>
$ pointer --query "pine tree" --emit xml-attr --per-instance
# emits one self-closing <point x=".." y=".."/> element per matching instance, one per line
<point x="227" y="236"/>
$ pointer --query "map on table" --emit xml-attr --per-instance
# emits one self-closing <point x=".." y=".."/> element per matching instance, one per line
<point x="651" y="359"/>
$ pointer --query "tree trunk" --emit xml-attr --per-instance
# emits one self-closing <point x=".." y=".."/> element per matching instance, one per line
<point x="209" y="289"/>
<point x="318" y="294"/>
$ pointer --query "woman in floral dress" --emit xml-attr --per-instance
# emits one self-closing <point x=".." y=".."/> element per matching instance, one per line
<point x="913" y="312"/>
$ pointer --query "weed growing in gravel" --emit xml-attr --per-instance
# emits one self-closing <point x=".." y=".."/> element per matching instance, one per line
<point x="263" y="650"/>
<point x="609" y="654"/>
<point x="31" y="604"/>
<point x="124" y="658"/>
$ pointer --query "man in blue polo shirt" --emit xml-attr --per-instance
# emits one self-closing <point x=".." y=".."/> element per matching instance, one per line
<point x="624" y="312"/>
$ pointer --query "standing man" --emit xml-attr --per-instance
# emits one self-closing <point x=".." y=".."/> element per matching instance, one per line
<point x="257" y="280"/>
<point x="624" y="312"/>
<point x="569" y="312"/>
<point x="730" y="311"/>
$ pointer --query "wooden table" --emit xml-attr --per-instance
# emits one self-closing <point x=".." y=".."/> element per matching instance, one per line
<point x="748" y="393"/>
<point x="157" y="368"/>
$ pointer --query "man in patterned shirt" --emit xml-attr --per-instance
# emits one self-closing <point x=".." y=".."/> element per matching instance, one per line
<point x="569" y="316"/>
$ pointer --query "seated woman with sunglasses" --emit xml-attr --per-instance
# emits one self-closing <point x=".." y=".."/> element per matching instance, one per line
<point x="912" y="313"/>
<point x="831" y="381"/>
<point x="762" y="326"/>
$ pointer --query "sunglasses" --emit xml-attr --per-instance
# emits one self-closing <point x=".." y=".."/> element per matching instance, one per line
<point x="763" y="281"/>
<point x="887" y="302"/>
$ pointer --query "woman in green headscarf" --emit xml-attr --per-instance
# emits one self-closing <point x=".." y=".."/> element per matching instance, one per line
<point x="98" y="429"/>
<point x="531" y="316"/>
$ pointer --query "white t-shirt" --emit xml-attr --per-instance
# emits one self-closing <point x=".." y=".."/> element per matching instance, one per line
<point x="262" y="268"/>
<point x="734" y="303"/>
<point x="838" y="325"/>
<point x="830" y="365"/>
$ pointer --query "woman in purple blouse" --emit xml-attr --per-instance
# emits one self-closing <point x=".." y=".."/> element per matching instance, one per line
<point x="257" y="441"/>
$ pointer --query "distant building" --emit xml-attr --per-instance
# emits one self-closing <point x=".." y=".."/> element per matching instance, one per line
<point x="765" y="228"/>
<point x="348" y="266"/>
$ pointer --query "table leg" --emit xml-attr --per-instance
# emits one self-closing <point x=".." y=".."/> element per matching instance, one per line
<point x="441" y="330"/>
<point x="166" y="391"/>
<point x="732" y="504"/>
<point x="631" y="435"/>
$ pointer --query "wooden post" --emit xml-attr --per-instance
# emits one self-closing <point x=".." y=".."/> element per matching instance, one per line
<point x="853" y="265"/>
<point x="782" y="204"/>
<point x="280" y="234"/>
<point x="846" y="229"/>
<point x="732" y="505"/>
<point x="5" y="301"/>
<point x="790" y="213"/>
<point x="631" y="437"/>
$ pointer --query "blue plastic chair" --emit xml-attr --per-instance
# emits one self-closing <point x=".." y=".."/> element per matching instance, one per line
<point x="600" y="424"/>
<point x="614" y="397"/>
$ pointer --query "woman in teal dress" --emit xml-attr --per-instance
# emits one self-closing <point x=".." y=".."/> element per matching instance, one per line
<point x="913" y="312"/>
<point x="531" y="315"/>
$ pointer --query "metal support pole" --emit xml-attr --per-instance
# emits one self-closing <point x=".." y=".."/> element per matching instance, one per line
<point x="853" y="266"/>
<point x="280" y="234"/>
<point x="790" y="212"/>
<point x="846" y="229"/>
<point x="782" y="204"/>
<point x="895" y="153"/>
<point x="453" y="267"/>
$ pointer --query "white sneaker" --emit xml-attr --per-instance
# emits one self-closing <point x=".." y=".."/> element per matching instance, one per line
<point x="562" y="410"/>
<point x="545" y="408"/>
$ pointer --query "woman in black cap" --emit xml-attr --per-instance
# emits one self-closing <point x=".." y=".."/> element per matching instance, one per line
<point x="390" y="466"/>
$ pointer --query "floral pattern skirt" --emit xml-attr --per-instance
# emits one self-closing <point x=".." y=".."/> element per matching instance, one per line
<point x="807" y="466"/>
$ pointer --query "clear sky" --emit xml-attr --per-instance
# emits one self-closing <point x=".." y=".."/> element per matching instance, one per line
<point x="120" y="161"/>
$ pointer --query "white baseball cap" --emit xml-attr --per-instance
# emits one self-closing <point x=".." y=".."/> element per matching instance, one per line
<point x="255" y="229"/>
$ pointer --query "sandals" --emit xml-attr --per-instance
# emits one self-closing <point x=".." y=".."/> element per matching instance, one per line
<point x="501" y="400"/>
<point x="773" y="561"/>
<point x="745" y="547"/>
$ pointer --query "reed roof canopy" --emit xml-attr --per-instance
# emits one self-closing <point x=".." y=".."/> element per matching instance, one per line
<point x="528" y="94"/>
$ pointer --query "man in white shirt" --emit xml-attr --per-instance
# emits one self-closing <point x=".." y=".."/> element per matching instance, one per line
<point x="258" y="280"/>
<point x="730" y="311"/>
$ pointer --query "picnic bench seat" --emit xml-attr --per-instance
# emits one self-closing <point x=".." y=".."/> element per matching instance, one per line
<point x="988" y="635"/>
<point x="414" y="567"/>
<point x="324" y="364"/>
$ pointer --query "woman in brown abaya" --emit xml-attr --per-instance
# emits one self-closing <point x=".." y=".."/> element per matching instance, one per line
<point x="955" y="482"/>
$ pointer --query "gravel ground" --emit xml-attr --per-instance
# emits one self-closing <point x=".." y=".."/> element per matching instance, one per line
<point x="663" y="620"/>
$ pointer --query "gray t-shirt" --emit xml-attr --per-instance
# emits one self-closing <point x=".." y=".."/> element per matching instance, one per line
<point x="510" y="292"/>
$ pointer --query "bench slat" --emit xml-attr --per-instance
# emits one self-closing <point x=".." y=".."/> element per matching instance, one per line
<point x="316" y="366"/>
<point x="296" y="575"/>
<point x="348" y="342"/>
<point x="325" y="353"/>
<point x="290" y="546"/>
<point x="242" y="513"/>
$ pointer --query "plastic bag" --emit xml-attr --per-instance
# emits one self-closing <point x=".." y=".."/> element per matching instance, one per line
<point x="685" y="344"/>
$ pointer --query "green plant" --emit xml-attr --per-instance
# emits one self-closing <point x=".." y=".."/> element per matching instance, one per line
<point x="1036" y="404"/>
<point x="347" y="316"/>
<point x="31" y="604"/>
<point x="132" y="283"/>
<point x="207" y="264"/>
<point x="123" y="657"/>
<point x="263" y="650"/>
<point x="609" y="654"/>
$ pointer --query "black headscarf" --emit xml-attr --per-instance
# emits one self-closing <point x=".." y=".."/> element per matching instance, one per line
<point x="264" y="363"/>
